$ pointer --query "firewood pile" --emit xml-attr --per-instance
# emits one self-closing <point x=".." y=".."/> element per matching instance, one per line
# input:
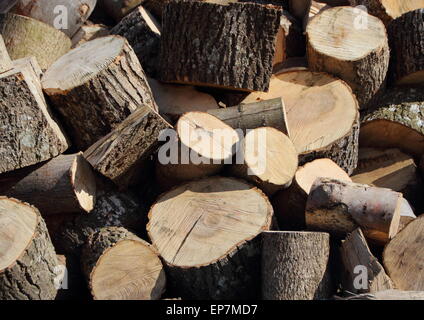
<point x="211" y="149"/>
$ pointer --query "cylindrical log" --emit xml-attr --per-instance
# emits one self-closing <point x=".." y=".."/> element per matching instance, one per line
<point x="406" y="38"/>
<point x="64" y="15"/>
<point x="28" y="261"/>
<point x="67" y="180"/>
<point x="396" y="122"/>
<point x="295" y="265"/>
<point x="352" y="46"/>
<point x="317" y="104"/>
<point x="207" y="44"/>
<point x="103" y="84"/>
<point x="290" y="204"/>
<point x="267" y="113"/>
<point x="119" y="265"/>
<point x="206" y="233"/>
<point x="339" y="207"/>
<point x="142" y="31"/>
<point x="267" y="158"/>
<point x="25" y="37"/>
<point x="5" y="61"/>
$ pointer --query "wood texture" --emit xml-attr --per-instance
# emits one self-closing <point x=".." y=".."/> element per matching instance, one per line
<point x="5" y="61"/>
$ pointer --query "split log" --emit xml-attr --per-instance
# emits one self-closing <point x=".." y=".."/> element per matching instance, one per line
<point x="403" y="257"/>
<point x="199" y="40"/>
<point x="335" y="135"/>
<point x="407" y="215"/>
<point x="118" y="9"/>
<point x="268" y="113"/>
<point x="64" y="15"/>
<point x="118" y="265"/>
<point x="5" y="61"/>
<point x="392" y="294"/>
<point x="392" y="169"/>
<point x="32" y="63"/>
<point x="25" y="37"/>
<point x="295" y="266"/>
<point x="355" y="252"/>
<point x="112" y="209"/>
<point x="388" y="10"/>
<point x="119" y="155"/>
<point x="226" y="212"/>
<point x="406" y="37"/>
<point x="340" y="207"/>
<point x="290" y="204"/>
<point x="89" y="32"/>
<point x="340" y="43"/>
<point x="28" y="259"/>
<point x="396" y="122"/>
<point x="204" y="144"/>
<point x="103" y="85"/>
<point x="267" y="158"/>
<point x="30" y="135"/>
<point x="175" y="100"/>
<point x="143" y="32"/>
<point x="65" y="184"/>
<point x="299" y="8"/>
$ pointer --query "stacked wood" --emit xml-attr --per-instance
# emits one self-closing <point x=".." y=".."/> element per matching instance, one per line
<point x="339" y="43"/>
<point x="403" y="257"/>
<point x="203" y="145"/>
<point x="295" y="266"/>
<point x="119" y="265"/>
<point x="355" y="252"/>
<point x="388" y="10"/>
<point x="142" y="31"/>
<point x="226" y="212"/>
<point x="89" y="32"/>
<point x="339" y="207"/>
<point x="290" y="204"/>
<point x="66" y="179"/>
<point x="28" y="259"/>
<point x="393" y="169"/>
<point x="25" y="37"/>
<point x="64" y="15"/>
<point x="185" y="58"/>
<point x="406" y="36"/>
<point x="30" y="134"/>
<point x="309" y="96"/>
<point x="396" y="122"/>
<point x="175" y="100"/>
<point x="105" y="82"/>
<point x="267" y="158"/>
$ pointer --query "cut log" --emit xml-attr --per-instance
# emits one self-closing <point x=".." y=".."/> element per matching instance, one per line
<point x="407" y="215"/>
<point x="295" y="266"/>
<point x="103" y="85"/>
<point x="26" y="37"/>
<point x="28" y="259"/>
<point x="225" y="212"/>
<point x="315" y="8"/>
<point x="340" y="43"/>
<point x="393" y="169"/>
<point x="142" y="31"/>
<point x="406" y="38"/>
<point x="65" y="184"/>
<point x="290" y="204"/>
<point x="175" y="100"/>
<point x="396" y="122"/>
<point x="30" y="135"/>
<point x="309" y="96"/>
<point x="32" y="63"/>
<point x="112" y="209"/>
<point x="119" y="265"/>
<point x="64" y="15"/>
<point x="199" y="40"/>
<point x="388" y="10"/>
<point x="355" y="252"/>
<point x="403" y="257"/>
<point x="268" y="113"/>
<point x="5" y="61"/>
<point x="119" y="154"/>
<point x="89" y="32"/>
<point x="299" y="8"/>
<point x="204" y="144"/>
<point x="267" y="158"/>
<point x="118" y="9"/>
<point x="339" y="207"/>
